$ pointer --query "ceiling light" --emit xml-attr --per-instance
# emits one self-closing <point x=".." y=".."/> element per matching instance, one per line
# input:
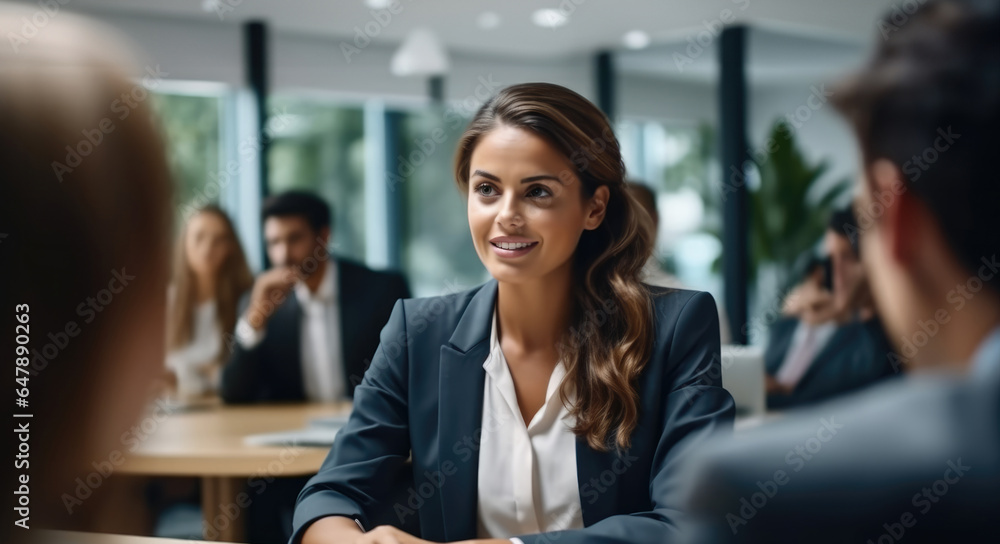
<point x="420" y="55"/>
<point x="636" y="39"/>
<point x="488" y="20"/>
<point x="379" y="4"/>
<point x="549" y="18"/>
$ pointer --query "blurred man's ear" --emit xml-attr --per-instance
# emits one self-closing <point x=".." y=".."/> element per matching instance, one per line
<point x="903" y="216"/>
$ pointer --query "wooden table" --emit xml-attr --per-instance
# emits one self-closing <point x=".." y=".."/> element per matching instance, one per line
<point x="74" y="537"/>
<point x="208" y="443"/>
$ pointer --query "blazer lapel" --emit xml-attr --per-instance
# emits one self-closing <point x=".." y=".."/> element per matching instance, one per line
<point x="460" y="412"/>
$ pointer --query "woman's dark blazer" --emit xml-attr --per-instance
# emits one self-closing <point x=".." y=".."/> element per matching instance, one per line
<point x="423" y="392"/>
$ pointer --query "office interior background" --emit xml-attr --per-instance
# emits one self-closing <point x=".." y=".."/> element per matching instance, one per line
<point x="362" y="101"/>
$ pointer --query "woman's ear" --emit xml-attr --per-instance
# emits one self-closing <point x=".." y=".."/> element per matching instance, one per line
<point x="597" y="208"/>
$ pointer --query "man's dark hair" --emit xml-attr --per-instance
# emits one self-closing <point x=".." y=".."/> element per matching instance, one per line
<point x="844" y="223"/>
<point x="929" y="101"/>
<point x="312" y="208"/>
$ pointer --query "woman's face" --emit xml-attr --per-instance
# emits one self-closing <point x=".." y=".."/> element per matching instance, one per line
<point x="207" y="243"/>
<point x="526" y="209"/>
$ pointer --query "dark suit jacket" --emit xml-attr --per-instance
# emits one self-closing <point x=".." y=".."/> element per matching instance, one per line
<point x="913" y="460"/>
<point x="424" y="393"/>
<point x="855" y="356"/>
<point x="272" y="370"/>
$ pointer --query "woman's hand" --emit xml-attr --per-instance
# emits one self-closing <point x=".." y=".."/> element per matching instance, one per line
<point x="342" y="530"/>
<point x="387" y="534"/>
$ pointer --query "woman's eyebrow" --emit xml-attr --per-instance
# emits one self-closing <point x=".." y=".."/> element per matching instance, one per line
<point x="485" y="174"/>
<point x="529" y="179"/>
<point x="541" y="177"/>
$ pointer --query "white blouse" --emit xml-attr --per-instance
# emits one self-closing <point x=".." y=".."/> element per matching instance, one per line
<point x="192" y="363"/>
<point x="527" y="473"/>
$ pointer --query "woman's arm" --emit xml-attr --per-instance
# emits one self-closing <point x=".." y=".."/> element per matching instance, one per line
<point x="695" y="407"/>
<point x="367" y="459"/>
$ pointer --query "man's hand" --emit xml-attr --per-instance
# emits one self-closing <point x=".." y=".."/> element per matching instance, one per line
<point x="269" y="290"/>
<point x="773" y="387"/>
<point x="342" y="530"/>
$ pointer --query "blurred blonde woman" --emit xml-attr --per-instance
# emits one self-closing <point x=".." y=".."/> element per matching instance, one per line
<point x="210" y="274"/>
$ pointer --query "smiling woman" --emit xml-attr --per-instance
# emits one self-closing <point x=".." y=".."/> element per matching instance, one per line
<point x="564" y="395"/>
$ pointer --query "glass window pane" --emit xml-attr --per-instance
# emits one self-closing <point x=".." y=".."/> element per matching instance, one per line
<point x="676" y="161"/>
<point x="438" y="255"/>
<point x="318" y="146"/>
<point x="191" y="132"/>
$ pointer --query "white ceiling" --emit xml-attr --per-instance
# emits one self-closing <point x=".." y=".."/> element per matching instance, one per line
<point x="593" y="24"/>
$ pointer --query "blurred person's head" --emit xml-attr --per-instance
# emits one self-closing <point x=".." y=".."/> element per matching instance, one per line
<point x="208" y="255"/>
<point x="926" y="110"/>
<point x="84" y="209"/>
<point x="296" y="228"/>
<point x="845" y="263"/>
<point x="544" y="182"/>
<point x="646" y="198"/>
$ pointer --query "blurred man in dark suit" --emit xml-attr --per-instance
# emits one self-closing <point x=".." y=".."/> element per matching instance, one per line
<point x="307" y="332"/>
<point x="916" y="460"/>
<point x="311" y="323"/>
<point x="832" y="342"/>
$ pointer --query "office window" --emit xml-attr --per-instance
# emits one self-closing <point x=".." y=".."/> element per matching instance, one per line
<point x="191" y="128"/>
<point x="676" y="161"/>
<point x="318" y="145"/>
<point x="438" y="255"/>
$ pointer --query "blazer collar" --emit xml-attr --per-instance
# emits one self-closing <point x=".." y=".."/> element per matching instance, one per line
<point x="477" y="319"/>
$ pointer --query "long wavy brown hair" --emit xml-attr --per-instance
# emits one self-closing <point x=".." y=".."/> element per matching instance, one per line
<point x="234" y="279"/>
<point x="610" y="340"/>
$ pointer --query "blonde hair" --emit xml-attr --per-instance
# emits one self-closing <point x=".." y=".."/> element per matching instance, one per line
<point x="233" y="279"/>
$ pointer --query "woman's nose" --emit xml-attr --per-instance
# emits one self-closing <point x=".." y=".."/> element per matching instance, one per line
<point x="510" y="214"/>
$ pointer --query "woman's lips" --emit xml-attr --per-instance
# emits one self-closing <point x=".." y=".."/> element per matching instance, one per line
<point x="511" y="249"/>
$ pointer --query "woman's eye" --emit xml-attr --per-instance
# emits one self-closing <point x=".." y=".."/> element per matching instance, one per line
<point x="485" y="190"/>
<point x="539" y="192"/>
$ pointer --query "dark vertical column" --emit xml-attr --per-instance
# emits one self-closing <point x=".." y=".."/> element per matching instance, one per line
<point x="255" y="57"/>
<point x="604" y="72"/>
<point x="396" y="196"/>
<point x="435" y="89"/>
<point x="732" y="146"/>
